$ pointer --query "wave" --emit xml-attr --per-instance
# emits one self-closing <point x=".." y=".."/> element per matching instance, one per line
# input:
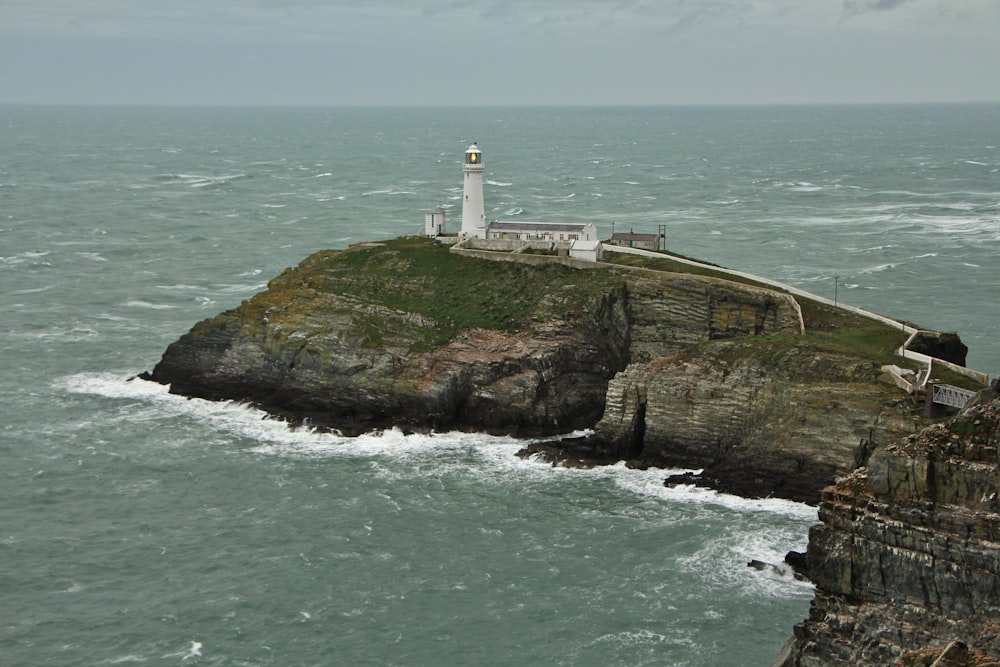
<point x="243" y="289"/>
<point x="387" y="191"/>
<point x="135" y="303"/>
<point x="878" y="269"/>
<point x="435" y="453"/>
<point x="200" y="181"/>
<point x="499" y="184"/>
<point x="803" y="186"/>
<point x="27" y="257"/>
<point x="33" y="290"/>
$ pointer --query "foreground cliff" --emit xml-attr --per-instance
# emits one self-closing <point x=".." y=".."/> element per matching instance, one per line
<point x="769" y="396"/>
<point x="907" y="560"/>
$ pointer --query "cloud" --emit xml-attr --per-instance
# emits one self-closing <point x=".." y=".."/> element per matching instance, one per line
<point x="853" y="7"/>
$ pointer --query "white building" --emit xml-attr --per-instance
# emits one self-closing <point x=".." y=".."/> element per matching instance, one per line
<point x="550" y="236"/>
<point x="541" y="231"/>
<point x="473" y="209"/>
<point x="591" y="251"/>
<point x="434" y="222"/>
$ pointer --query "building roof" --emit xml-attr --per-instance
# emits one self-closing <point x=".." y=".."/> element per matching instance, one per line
<point x="500" y="225"/>
<point x="632" y="236"/>
<point x="581" y="244"/>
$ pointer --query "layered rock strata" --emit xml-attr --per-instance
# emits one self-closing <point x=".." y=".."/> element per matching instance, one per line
<point x="760" y="420"/>
<point x="907" y="560"/>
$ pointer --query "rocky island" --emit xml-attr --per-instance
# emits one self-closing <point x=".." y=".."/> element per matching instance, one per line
<point x="768" y="393"/>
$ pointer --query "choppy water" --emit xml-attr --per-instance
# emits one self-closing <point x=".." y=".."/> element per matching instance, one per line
<point x="139" y="527"/>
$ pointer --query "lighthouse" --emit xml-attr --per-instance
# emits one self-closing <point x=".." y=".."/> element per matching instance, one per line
<point x="473" y="211"/>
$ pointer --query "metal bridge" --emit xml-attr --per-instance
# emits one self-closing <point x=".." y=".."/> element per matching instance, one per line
<point x="956" y="397"/>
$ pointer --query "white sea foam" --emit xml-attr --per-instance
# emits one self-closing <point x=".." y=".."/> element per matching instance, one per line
<point x="127" y="659"/>
<point x="878" y="269"/>
<point x="199" y="181"/>
<point x="243" y="289"/>
<point x="33" y="290"/>
<point x="135" y="303"/>
<point x="192" y="651"/>
<point x="387" y="191"/>
<point x="480" y="454"/>
<point x="650" y="483"/>
<point x="23" y="257"/>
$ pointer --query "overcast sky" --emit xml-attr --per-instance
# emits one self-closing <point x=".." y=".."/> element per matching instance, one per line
<point x="498" y="52"/>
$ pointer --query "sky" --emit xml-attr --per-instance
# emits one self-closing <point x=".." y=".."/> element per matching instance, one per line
<point x="498" y="52"/>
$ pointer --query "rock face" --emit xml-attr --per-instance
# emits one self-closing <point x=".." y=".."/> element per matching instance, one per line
<point x="907" y="560"/>
<point x="309" y="349"/>
<point x="760" y="420"/>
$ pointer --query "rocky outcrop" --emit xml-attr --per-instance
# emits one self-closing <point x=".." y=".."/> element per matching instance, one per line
<point x="366" y="338"/>
<point x="907" y="560"/>
<point x="351" y="365"/>
<point x="671" y="313"/>
<point x="761" y="419"/>
<point x="674" y="369"/>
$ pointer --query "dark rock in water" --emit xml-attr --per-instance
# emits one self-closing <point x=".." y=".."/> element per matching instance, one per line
<point x="578" y="452"/>
<point x="946" y="346"/>
<point x="799" y="562"/>
<point x="778" y="570"/>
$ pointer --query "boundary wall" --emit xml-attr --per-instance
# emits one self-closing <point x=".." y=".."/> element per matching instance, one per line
<point x="927" y="360"/>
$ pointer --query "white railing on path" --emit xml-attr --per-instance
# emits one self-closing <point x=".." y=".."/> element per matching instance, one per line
<point x="902" y="351"/>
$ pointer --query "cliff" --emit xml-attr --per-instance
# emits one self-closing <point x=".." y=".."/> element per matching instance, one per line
<point x="761" y="418"/>
<point x="407" y="335"/>
<point x="907" y="560"/>
<point x="769" y="395"/>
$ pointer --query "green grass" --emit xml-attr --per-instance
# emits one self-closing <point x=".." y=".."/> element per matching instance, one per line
<point x="413" y="275"/>
<point x="827" y="328"/>
<point x="455" y="293"/>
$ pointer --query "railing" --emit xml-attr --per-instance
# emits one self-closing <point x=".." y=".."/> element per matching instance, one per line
<point x="924" y="359"/>
<point x="956" y="397"/>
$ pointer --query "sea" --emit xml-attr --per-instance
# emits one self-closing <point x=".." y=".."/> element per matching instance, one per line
<point x="142" y="528"/>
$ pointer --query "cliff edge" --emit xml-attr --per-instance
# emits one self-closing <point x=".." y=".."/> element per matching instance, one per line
<point x="907" y="560"/>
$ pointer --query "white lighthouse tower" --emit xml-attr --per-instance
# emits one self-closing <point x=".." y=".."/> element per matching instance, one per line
<point x="473" y="211"/>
